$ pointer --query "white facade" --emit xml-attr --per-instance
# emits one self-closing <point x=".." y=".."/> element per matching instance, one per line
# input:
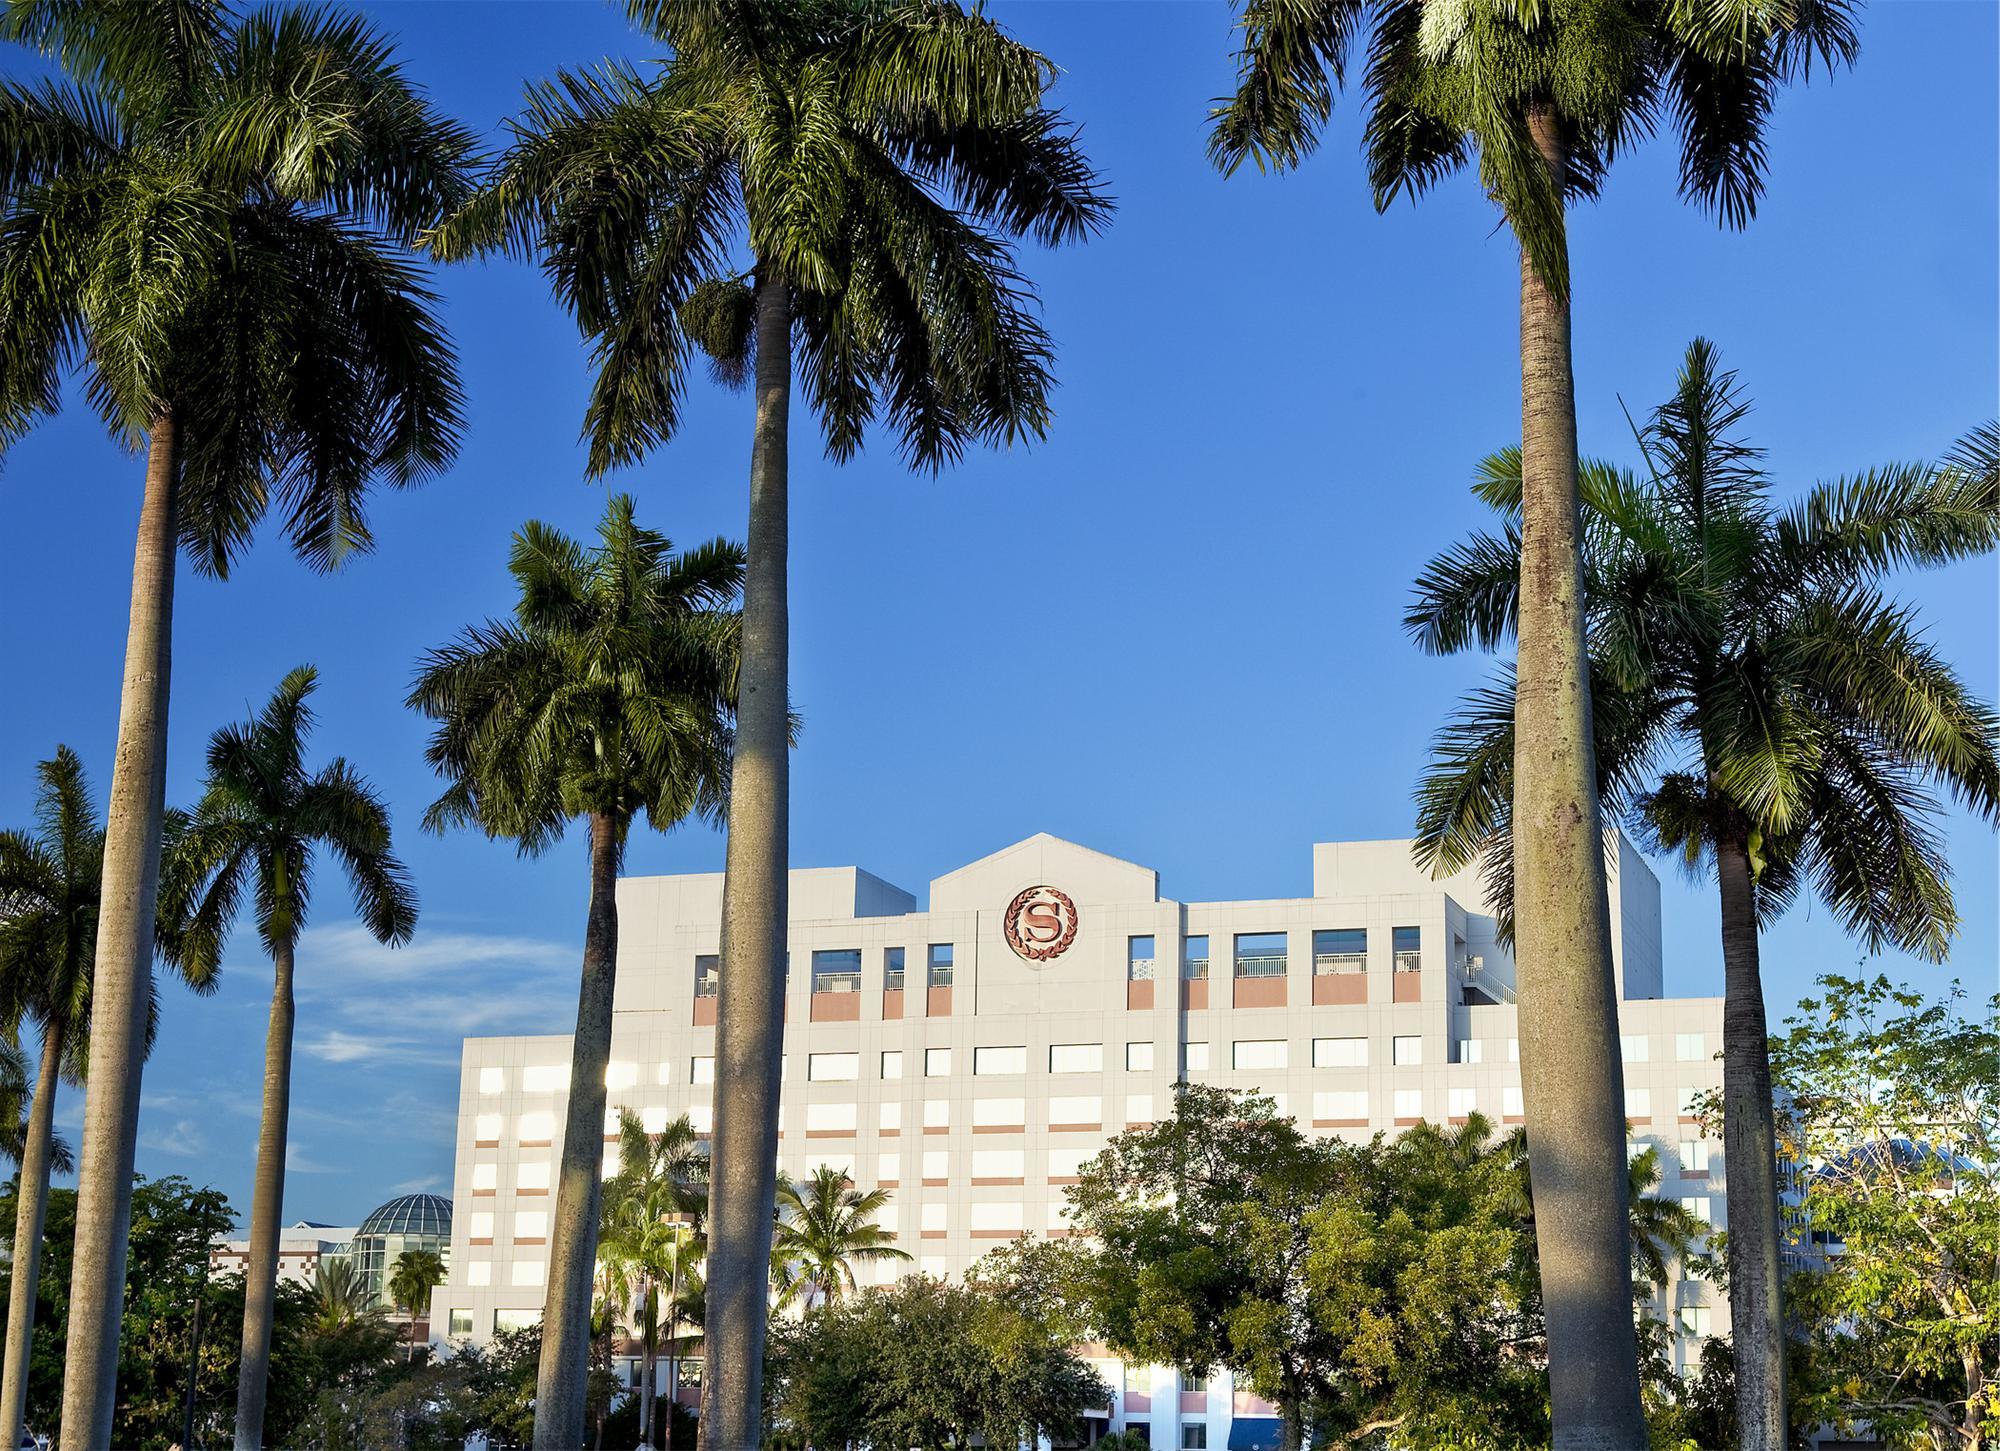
<point x="974" y="1102"/>
<point x="301" y="1247"/>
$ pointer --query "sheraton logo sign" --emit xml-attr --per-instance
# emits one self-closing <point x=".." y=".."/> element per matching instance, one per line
<point x="1040" y="923"/>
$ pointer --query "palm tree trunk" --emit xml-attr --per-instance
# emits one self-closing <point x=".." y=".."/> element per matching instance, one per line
<point x="1571" y="1079"/>
<point x="648" y="1348"/>
<point x="1750" y="1159"/>
<point x="562" y="1378"/>
<point x="32" y="1207"/>
<point x="750" y="1017"/>
<point x="267" y="1206"/>
<point x="121" y="991"/>
<point x="673" y="1360"/>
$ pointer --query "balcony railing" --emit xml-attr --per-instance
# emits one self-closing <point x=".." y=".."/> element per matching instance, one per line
<point x="892" y="980"/>
<point x="1139" y="969"/>
<point x="837" y="982"/>
<point x="1261" y="965"/>
<point x="1195" y="969"/>
<point x="705" y="987"/>
<point x="1409" y="962"/>
<point x="1325" y="964"/>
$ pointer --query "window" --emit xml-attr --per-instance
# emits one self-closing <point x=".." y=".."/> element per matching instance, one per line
<point x="1638" y="1102"/>
<point x="892" y="1063"/>
<point x="999" y="1113"/>
<point x="531" y="1224"/>
<point x="1471" y="1050"/>
<point x="937" y="1113"/>
<point x="1635" y="1047"/>
<point x="707" y="972"/>
<point x="933" y="1218"/>
<point x="1076" y="1058"/>
<point x="1260" y="954"/>
<point x="1406" y="1052"/>
<point x="533" y="1174"/>
<point x="621" y="1075"/>
<point x="1194" y="1057"/>
<point x="936" y="1168"/>
<point x="552" y="1079"/>
<point x="482" y="1224"/>
<point x="831" y="1118"/>
<point x="537" y="1128"/>
<point x="892" y="1118"/>
<point x="701" y="1070"/>
<point x="492" y="1080"/>
<point x="1341" y="1105"/>
<point x="701" y="1117"/>
<point x="1340" y="1052"/>
<point x="479" y="1273"/>
<point x="1138" y="1108"/>
<point x="486" y="1128"/>
<point x="459" y="1322"/>
<point x="1067" y="1162"/>
<point x="1194" y="1436"/>
<point x="1690" y="1047"/>
<point x="1000" y="1060"/>
<point x="1139" y="959"/>
<point x="1694" y="1156"/>
<point x="1513" y="1050"/>
<point x="892" y="970"/>
<point x="1138" y="1057"/>
<point x="1460" y="1102"/>
<point x="527" y="1272"/>
<point x="485" y="1176"/>
<point x="833" y="1067"/>
<point x="886" y="1217"/>
<point x="837" y="971"/>
<point x="937" y="1062"/>
<point x="940" y="964"/>
<point x="995" y="1219"/>
<point x="888" y="1170"/>
<point x="1194" y="959"/>
<point x="1259" y="1053"/>
<point x="1080" y="1109"/>
<point x="1409" y="1104"/>
<point x="516" y="1319"/>
<point x="1694" y="1321"/>
<point x="1408" y="942"/>
<point x="1510" y="1100"/>
<point x="999" y="1163"/>
<point x="1690" y="1104"/>
<point x="1343" y="949"/>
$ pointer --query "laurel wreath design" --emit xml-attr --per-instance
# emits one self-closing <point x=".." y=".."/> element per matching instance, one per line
<point x="1011" y="925"/>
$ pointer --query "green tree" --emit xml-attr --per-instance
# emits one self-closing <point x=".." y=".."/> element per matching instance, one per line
<point x="51" y="880"/>
<point x="929" y="1366"/>
<point x="349" y="1329"/>
<point x="1545" y="93"/>
<point x="830" y="186"/>
<point x="206" y="221"/>
<point x="416" y="1273"/>
<point x="1762" y="710"/>
<point x="651" y="1243"/>
<point x="609" y="694"/>
<point x="824" y="1228"/>
<point x="251" y="839"/>
<point x="1893" y="1113"/>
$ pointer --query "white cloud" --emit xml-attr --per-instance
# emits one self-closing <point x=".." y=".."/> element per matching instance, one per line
<point x="345" y="953"/>
<point x="297" y="1162"/>
<point x="182" y="1137"/>
<point x="427" y="1184"/>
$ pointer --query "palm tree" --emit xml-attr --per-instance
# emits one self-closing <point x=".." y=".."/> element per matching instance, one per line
<point x="1663" y="1230"/>
<point x="1761" y="707"/>
<point x="416" y="1273"/>
<point x="823" y="1229"/>
<point x="51" y="878"/>
<point x="261" y="818"/>
<point x="609" y="694"/>
<point x="1546" y="94"/>
<point x="206" y="221"/>
<point x="651" y="1241"/>
<point x="831" y="185"/>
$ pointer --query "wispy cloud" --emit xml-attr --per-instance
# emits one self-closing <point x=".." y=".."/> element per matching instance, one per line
<point x="428" y="1184"/>
<point x="183" y="1138"/>
<point x="347" y="954"/>
<point x="298" y="1162"/>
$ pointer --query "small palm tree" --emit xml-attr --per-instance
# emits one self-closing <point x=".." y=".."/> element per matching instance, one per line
<point x="1664" y="1230"/>
<point x="1761" y="708"/>
<point x="252" y="837"/>
<point x="51" y="884"/>
<point x="207" y="221"/>
<point x="416" y="1273"/>
<point x="610" y="694"/>
<point x="829" y="188"/>
<point x="340" y="1297"/>
<point x="651" y="1242"/>
<point x="824" y="1229"/>
<point x="1546" y="94"/>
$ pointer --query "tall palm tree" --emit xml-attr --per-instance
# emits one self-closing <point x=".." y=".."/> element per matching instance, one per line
<point x="416" y="1273"/>
<point x="51" y="881"/>
<point x="1546" y="93"/>
<point x="651" y="1241"/>
<point x="1762" y="708"/>
<point x="206" y="221"/>
<point x="832" y="187"/>
<point x="824" y="1228"/>
<point x="253" y="835"/>
<point x="610" y="693"/>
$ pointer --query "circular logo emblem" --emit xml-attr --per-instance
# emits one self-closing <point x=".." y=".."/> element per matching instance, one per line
<point x="1040" y="923"/>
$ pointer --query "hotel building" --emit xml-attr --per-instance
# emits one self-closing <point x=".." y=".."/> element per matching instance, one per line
<point x="970" y="1056"/>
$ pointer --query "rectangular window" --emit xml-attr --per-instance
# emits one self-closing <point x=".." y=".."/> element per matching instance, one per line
<point x="1460" y="1102"/>
<point x="527" y="1272"/>
<point x="552" y="1079"/>
<point x="940" y="964"/>
<point x="533" y="1174"/>
<point x="1341" y="1105"/>
<point x="1138" y="1108"/>
<point x="892" y="970"/>
<point x="1076" y="1058"/>
<point x="833" y="1067"/>
<point x="1066" y="1162"/>
<point x="937" y="1062"/>
<point x="1340" y="1052"/>
<point x="702" y="1069"/>
<point x="1690" y="1103"/>
<point x="459" y="1323"/>
<point x="1260" y="954"/>
<point x="516" y="1319"/>
<point x="937" y="1113"/>
<point x="1408" y="942"/>
<point x="1471" y="1050"/>
<point x="485" y="1176"/>
<point x="886" y="1217"/>
<point x="892" y="1063"/>
<point x="1513" y="1050"/>
<point x="1635" y="1047"/>
<point x="492" y="1080"/>
<point x="1638" y="1102"/>
<point x="837" y="970"/>
<point x="486" y="1128"/>
<point x="707" y="972"/>
<point x="1698" y="1205"/>
<point x="1409" y="1104"/>
<point x="701" y="1118"/>
<point x="1138" y="1057"/>
<point x="888" y="1170"/>
<point x="1690" y="1047"/>
<point x="482" y="1224"/>
<point x="537" y="1128"/>
<point x="1694" y="1321"/>
<point x="999" y="1164"/>
<point x="1406" y="1051"/>
<point x="1510" y="1100"/>
<point x="1139" y="959"/>
<point x="1694" y="1156"/>
<point x="531" y="1224"/>
<point x="1194" y="1434"/>
<point x="995" y="1218"/>
<point x="1194" y="959"/>
<point x="621" y="1075"/>
<point x="892" y="1117"/>
<point x="1194" y="1057"/>
<point x="999" y="1113"/>
<point x="831" y="1118"/>
<point x="999" y="1060"/>
<point x="1079" y="1109"/>
<point x="1260" y="1053"/>
<point x="478" y="1273"/>
<point x="1340" y="949"/>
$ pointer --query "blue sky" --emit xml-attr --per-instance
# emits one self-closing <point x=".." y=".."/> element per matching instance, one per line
<point x="1169" y="632"/>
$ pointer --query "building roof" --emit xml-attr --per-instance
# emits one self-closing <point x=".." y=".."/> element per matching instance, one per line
<point x="411" y="1214"/>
